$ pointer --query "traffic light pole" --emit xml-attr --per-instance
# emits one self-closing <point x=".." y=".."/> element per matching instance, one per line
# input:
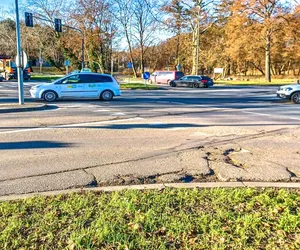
<point x="19" y="56"/>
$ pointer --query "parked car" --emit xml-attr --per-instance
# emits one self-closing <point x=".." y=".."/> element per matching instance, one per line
<point x="193" y="82"/>
<point x="165" y="76"/>
<point x="81" y="85"/>
<point x="289" y="92"/>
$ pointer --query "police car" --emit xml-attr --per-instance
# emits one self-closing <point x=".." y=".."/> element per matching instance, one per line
<point x="81" y="85"/>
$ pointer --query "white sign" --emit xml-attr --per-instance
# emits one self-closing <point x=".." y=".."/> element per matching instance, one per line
<point x="218" y="70"/>
<point x="24" y="60"/>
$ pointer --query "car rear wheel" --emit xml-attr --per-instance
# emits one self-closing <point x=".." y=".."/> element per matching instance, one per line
<point x="49" y="96"/>
<point x="195" y="85"/>
<point x="296" y="98"/>
<point x="106" y="95"/>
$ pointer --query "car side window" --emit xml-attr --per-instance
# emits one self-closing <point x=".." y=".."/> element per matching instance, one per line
<point x="86" y="78"/>
<point x="102" y="78"/>
<point x="184" y="78"/>
<point x="71" y="79"/>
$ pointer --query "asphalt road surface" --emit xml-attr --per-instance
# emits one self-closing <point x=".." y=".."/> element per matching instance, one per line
<point x="147" y="136"/>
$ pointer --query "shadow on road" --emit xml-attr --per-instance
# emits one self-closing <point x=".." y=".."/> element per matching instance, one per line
<point x="33" y="145"/>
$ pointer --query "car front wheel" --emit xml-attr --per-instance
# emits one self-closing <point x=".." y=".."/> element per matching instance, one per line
<point x="296" y="98"/>
<point x="49" y="96"/>
<point x="172" y="84"/>
<point x="106" y="95"/>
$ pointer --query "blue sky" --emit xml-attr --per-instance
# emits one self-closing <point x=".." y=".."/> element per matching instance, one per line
<point x="7" y="3"/>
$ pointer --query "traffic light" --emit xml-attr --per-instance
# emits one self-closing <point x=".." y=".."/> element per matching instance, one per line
<point x="58" y="26"/>
<point x="28" y="19"/>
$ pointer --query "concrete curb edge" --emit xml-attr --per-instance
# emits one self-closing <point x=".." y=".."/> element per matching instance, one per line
<point x="23" y="109"/>
<point x="294" y="185"/>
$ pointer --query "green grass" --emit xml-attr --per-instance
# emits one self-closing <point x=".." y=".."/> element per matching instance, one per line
<point x="137" y="86"/>
<point x="45" y="78"/>
<point x="168" y="219"/>
<point x="260" y="81"/>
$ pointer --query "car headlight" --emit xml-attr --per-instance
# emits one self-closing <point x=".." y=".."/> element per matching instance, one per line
<point x="288" y="89"/>
<point x="35" y="87"/>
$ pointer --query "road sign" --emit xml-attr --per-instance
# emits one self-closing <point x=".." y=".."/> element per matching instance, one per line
<point x="129" y="65"/>
<point x="58" y="26"/>
<point x="28" y="19"/>
<point x="218" y="70"/>
<point x="146" y="75"/>
<point x="67" y="63"/>
<point x="178" y="66"/>
<point x="41" y="61"/>
<point x="24" y="60"/>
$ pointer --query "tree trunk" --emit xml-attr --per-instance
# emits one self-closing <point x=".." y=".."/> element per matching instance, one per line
<point x="268" y="57"/>
<point x="130" y="52"/>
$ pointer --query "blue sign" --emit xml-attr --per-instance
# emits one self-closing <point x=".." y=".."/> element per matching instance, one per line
<point x="129" y="65"/>
<point x="178" y="66"/>
<point x="146" y="75"/>
<point x="67" y="63"/>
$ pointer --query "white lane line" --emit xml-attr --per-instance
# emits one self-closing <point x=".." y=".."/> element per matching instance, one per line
<point x="177" y="128"/>
<point x="117" y="114"/>
<point x="70" y="126"/>
<point x="101" y="110"/>
<point x="271" y="115"/>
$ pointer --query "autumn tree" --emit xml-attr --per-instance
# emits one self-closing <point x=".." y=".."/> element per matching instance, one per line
<point x="262" y="20"/>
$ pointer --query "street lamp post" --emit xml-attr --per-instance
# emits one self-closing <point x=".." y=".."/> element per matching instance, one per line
<point x="19" y="55"/>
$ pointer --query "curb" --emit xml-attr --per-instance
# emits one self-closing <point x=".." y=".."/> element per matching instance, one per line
<point x="23" y="109"/>
<point x="293" y="185"/>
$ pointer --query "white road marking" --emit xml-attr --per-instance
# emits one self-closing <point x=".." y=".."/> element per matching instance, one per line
<point x="179" y="128"/>
<point x="157" y="123"/>
<point x="101" y="110"/>
<point x="117" y="114"/>
<point x="70" y="125"/>
<point x="270" y="115"/>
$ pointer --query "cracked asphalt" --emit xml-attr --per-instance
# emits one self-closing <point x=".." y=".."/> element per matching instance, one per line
<point x="159" y="136"/>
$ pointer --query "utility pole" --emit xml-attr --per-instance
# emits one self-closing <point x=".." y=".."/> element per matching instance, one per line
<point x="19" y="55"/>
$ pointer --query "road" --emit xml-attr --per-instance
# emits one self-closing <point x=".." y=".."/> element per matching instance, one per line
<point x="221" y="133"/>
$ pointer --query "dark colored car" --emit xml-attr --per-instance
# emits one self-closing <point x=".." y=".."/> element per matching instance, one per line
<point x="193" y="82"/>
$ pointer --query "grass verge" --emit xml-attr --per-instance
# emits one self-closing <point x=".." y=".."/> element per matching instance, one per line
<point x="137" y="86"/>
<point x="275" y="82"/>
<point x="169" y="219"/>
<point x="45" y="78"/>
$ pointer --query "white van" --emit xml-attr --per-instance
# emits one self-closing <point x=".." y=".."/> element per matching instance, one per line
<point x="78" y="85"/>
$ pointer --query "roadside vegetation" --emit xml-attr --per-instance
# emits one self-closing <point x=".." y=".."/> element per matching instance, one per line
<point x="243" y="37"/>
<point x="168" y="219"/>
<point x="258" y="81"/>
<point x="45" y="78"/>
<point x="138" y="86"/>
